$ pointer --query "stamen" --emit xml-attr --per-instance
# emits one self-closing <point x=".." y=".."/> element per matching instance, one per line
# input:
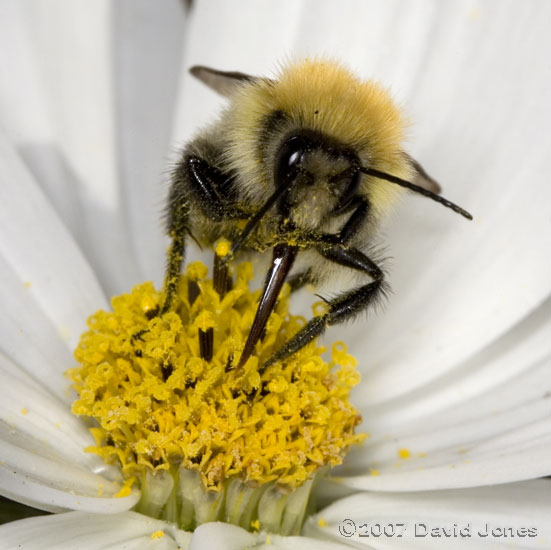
<point x="193" y="291"/>
<point x="166" y="369"/>
<point x="220" y="270"/>
<point x="220" y="276"/>
<point x="229" y="364"/>
<point x="206" y="344"/>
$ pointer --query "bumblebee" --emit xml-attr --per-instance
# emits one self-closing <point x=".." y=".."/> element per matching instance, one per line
<point x="304" y="166"/>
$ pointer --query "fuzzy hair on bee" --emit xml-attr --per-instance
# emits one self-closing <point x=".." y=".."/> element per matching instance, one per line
<point x="304" y="165"/>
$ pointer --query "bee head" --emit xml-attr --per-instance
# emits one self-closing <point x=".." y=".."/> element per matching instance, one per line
<point x="316" y="122"/>
<point x="321" y="177"/>
<point x="323" y="120"/>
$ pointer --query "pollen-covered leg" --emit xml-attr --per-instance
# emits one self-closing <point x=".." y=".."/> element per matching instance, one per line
<point x="345" y="306"/>
<point x="175" y="259"/>
<point x="174" y="267"/>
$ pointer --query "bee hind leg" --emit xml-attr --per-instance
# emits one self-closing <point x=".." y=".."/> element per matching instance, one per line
<point x="345" y="306"/>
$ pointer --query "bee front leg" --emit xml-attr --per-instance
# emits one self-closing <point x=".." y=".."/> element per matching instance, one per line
<point x="344" y="307"/>
<point x="213" y="190"/>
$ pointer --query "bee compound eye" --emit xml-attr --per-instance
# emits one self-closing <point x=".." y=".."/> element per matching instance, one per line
<point x="289" y="157"/>
<point x="294" y="158"/>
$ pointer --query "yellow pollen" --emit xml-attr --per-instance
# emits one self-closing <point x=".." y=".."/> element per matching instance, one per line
<point x="157" y="535"/>
<point x="126" y="489"/>
<point x="159" y="405"/>
<point x="320" y="308"/>
<point x="223" y="248"/>
<point x="404" y="453"/>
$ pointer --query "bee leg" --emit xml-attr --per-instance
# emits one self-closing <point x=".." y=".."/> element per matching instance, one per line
<point x="342" y="308"/>
<point x="178" y="228"/>
<point x="177" y="231"/>
<point x="212" y="188"/>
<point x="176" y="254"/>
<point x="347" y="305"/>
<point x="356" y="220"/>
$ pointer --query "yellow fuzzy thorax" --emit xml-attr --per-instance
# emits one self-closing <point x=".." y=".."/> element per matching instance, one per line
<point x="324" y="97"/>
<point x="158" y="405"/>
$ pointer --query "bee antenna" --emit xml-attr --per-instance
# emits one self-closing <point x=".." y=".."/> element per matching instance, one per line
<point x="417" y="189"/>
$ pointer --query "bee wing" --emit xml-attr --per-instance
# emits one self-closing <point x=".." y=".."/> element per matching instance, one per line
<point x="421" y="178"/>
<point x="223" y="82"/>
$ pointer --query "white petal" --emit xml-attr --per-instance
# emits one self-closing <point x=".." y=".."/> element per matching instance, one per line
<point x="82" y="531"/>
<point x="272" y="26"/>
<point x="39" y="421"/>
<point x="37" y="245"/>
<point x="497" y="378"/>
<point x="147" y="46"/>
<point x="31" y="130"/>
<point x="29" y="338"/>
<point x="42" y="449"/>
<point x="510" y="508"/>
<point x="47" y="288"/>
<point x="69" y="45"/>
<point x="458" y="286"/>
<point x="224" y="536"/>
<point x="301" y="543"/>
<point x="486" y="423"/>
<point x="96" y="80"/>
<point x="43" y="484"/>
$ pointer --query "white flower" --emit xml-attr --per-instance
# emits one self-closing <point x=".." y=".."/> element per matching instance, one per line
<point x="457" y="368"/>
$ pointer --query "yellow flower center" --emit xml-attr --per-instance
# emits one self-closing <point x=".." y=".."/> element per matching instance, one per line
<point x="168" y="400"/>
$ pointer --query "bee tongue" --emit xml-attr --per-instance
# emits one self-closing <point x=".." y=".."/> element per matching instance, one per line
<point x="282" y="261"/>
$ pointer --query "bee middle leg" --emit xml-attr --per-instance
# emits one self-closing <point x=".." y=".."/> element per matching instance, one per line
<point x="344" y="307"/>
